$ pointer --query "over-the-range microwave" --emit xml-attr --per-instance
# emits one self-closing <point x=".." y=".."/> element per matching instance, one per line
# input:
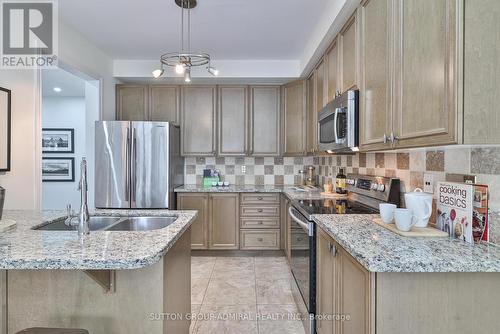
<point x="338" y="124"/>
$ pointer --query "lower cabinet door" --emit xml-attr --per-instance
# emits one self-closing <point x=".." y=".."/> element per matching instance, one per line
<point x="260" y="239"/>
<point x="355" y="295"/>
<point x="325" y="284"/>
<point x="224" y="221"/>
<point x="199" y="228"/>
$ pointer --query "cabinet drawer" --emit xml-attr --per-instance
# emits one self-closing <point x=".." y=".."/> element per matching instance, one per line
<point x="260" y="223"/>
<point x="264" y="199"/>
<point x="259" y="239"/>
<point x="260" y="211"/>
<point x="299" y="240"/>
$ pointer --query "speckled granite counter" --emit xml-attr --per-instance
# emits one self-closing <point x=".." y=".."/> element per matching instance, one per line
<point x="287" y="190"/>
<point x="380" y="250"/>
<point x="24" y="248"/>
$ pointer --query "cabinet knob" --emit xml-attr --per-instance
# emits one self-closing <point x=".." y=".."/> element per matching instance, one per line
<point x="260" y="210"/>
<point x="259" y="223"/>
<point x="260" y="239"/>
<point x="260" y="198"/>
<point x="386" y="139"/>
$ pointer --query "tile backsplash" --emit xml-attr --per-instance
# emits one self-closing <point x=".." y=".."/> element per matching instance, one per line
<point x="259" y="171"/>
<point x="409" y="166"/>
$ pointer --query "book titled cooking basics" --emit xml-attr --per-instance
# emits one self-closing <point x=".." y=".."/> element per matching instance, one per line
<point x="462" y="211"/>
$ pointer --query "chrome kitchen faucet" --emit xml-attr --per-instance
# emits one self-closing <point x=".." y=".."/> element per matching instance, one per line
<point x="83" y="215"/>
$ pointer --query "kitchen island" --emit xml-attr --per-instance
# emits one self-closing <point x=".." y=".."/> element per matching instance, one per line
<point x="108" y="282"/>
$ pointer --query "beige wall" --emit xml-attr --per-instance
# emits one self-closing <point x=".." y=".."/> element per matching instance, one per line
<point x="21" y="182"/>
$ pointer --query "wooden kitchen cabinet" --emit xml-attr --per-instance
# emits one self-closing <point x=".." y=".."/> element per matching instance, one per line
<point x="425" y="98"/>
<point x="325" y="283"/>
<point x="320" y="86"/>
<point x="332" y="73"/>
<point x="312" y="115"/>
<point x="232" y="115"/>
<point x="295" y="118"/>
<point x="348" y="39"/>
<point x="224" y="221"/>
<point x="164" y="103"/>
<point x="132" y="103"/>
<point x="375" y="75"/>
<point x="160" y="103"/>
<point x="344" y="287"/>
<point x="265" y="121"/>
<point x="198" y="110"/>
<point x="199" y="228"/>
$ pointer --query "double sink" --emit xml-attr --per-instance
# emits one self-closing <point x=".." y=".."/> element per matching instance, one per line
<point x="114" y="223"/>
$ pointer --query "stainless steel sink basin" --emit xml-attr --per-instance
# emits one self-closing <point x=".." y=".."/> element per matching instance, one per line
<point x="96" y="223"/>
<point x="110" y="223"/>
<point x="142" y="223"/>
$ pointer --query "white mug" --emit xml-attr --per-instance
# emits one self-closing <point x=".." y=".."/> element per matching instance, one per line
<point x="387" y="212"/>
<point x="405" y="219"/>
<point x="421" y="205"/>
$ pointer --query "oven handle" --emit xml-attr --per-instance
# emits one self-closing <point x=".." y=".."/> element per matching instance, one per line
<point x="304" y="226"/>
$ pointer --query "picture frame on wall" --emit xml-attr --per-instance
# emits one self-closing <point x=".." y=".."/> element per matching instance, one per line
<point x="58" y="140"/>
<point x="5" y="129"/>
<point x="60" y="169"/>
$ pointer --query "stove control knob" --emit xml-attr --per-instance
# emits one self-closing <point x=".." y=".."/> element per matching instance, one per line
<point x="374" y="186"/>
<point x="381" y="187"/>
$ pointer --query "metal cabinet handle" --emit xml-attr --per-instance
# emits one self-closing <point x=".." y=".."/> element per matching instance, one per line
<point x="259" y="223"/>
<point x="332" y="249"/>
<point x="260" y="210"/>
<point x="260" y="198"/>
<point x="260" y="239"/>
<point x="393" y="138"/>
<point x="386" y="139"/>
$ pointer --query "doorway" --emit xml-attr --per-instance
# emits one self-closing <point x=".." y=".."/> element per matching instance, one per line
<point x="70" y="107"/>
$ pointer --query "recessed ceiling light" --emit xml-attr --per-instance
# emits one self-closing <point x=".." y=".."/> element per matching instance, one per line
<point x="57" y="89"/>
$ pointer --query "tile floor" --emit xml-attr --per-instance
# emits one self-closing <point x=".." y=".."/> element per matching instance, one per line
<point x="242" y="295"/>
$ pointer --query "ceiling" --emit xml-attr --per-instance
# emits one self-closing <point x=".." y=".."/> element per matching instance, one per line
<point x="227" y="29"/>
<point x="71" y="85"/>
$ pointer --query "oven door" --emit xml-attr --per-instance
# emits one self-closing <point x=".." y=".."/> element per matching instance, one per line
<point x="303" y="265"/>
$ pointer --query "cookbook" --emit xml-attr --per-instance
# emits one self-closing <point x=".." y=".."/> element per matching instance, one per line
<point x="462" y="211"/>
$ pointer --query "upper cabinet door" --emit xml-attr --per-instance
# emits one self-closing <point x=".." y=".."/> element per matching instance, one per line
<point x="320" y="86"/>
<point x="332" y="74"/>
<point x="132" y="103"/>
<point x="348" y="38"/>
<point x="232" y="119"/>
<point x="312" y="115"/>
<point x="295" y="124"/>
<point x="375" y="75"/>
<point x="265" y="114"/>
<point x="198" y="108"/>
<point x="426" y="68"/>
<point x="165" y="104"/>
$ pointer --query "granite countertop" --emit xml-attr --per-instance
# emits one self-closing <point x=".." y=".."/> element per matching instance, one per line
<point x="24" y="248"/>
<point x="380" y="250"/>
<point x="288" y="190"/>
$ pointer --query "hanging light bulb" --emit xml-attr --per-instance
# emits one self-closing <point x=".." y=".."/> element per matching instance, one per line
<point x="213" y="71"/>
<point x="179" y="69"/>
<point x="158" y="73"/>
<point x="187" y="75"/>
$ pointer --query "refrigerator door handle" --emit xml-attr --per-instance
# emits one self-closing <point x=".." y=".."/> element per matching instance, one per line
<point x="133" y="164"/>
<point x="127" y="168"/>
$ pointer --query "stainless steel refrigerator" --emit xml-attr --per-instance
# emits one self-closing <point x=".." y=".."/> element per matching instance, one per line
<point x="137" y="165"/>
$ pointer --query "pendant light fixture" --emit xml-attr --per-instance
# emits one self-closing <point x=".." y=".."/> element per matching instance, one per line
<point x="184" y="60"/>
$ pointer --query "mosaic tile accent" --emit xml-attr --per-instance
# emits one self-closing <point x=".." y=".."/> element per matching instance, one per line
<point x="410" y="167"/>
<point x="259" y="170"/>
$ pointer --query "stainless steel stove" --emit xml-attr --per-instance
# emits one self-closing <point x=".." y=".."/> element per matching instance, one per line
<point x="365" y="193"/>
